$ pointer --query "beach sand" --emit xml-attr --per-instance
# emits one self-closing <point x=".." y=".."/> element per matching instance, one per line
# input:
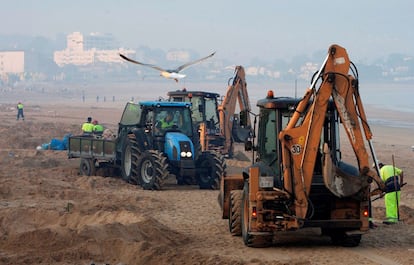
<point x="49" y="214"/>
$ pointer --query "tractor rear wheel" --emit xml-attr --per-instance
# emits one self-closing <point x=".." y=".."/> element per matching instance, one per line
<point x="126" y="160"/>
<point x="130" y="157"/>
<point x="87" y="167"/>
<point x="235" y="212"/>
<point x="152" y="170"/>
<point x="135" y="158"/>
<point x="211" y="169"/>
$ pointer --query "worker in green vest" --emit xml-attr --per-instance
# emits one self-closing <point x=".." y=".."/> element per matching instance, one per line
<point x="20" y="113"/>
<point x="97" y="128"/>
<point x="393" y="178"/>
<point x="167" y="122"/>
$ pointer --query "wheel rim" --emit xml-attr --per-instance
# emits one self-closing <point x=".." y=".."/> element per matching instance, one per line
<point x="84" y="168"/>
<point x="87" y="167"/>
<point x="147" y="171"/>
<point x="127" y="160"/>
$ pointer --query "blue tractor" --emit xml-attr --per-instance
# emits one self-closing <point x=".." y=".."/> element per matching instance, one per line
<point x="156" y="140"/>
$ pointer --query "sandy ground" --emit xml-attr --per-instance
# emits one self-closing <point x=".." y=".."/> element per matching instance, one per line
<point x="51" y="215"/>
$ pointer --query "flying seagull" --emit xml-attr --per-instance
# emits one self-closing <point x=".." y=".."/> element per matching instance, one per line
<point x="169" y="74"/>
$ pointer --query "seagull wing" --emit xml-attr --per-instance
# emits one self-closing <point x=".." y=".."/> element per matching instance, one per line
<point x="180" y="68"/>
<point x="143" y="64"/>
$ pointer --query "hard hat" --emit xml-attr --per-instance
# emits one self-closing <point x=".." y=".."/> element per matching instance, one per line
<point x="89" y="119"/>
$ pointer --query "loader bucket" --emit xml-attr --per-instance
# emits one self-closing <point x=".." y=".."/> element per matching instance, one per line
<point x="227" y="184"/>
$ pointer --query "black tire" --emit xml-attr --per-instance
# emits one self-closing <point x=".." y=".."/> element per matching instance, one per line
<point x="152" y="170"/>
<point x="135" y="159"/>
<point x="235" y="212"/>
<point x="87" y="167"/>
<point x="257" y="241"/>
<point x="211" y="168"/>
<point x="126" y="160"/>
<point x="129" y="160"/>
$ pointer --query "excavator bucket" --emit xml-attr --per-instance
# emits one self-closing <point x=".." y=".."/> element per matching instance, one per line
<point x="343" y="180"/>
<point x="241" y="134"/>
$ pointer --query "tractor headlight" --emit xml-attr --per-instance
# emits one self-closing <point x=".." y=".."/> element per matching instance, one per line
<point x="186" y="154"/>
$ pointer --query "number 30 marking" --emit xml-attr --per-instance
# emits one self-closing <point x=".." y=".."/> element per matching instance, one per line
<point x="296" y="149"/>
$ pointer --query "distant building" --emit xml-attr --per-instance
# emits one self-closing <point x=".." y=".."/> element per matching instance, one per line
<point x="12" y="62"/>
<point x="87" y="50"/>
<point x="100" y="41"/>
<point x="307" y="70"/>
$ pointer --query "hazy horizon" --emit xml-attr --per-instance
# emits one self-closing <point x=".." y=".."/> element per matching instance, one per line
<point x="263" y="29"/>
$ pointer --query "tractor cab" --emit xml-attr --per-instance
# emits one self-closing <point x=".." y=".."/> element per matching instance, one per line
<point x="204" y="106"/>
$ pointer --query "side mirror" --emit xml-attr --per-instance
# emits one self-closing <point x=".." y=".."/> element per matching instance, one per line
<point x="243" y="117"/>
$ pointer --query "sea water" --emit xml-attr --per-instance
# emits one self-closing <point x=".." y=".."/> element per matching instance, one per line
<point x="395" y="99"/>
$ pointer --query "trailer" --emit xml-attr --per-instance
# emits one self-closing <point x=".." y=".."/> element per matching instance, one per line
<point x="93" y="152"/>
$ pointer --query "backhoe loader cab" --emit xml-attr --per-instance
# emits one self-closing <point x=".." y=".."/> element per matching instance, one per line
<point x="205" y="117"/>
<point x="275" y="114"/>
<point x="204" y="107"/>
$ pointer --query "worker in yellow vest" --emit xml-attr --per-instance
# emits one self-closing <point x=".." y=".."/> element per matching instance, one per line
<point x="87" y="127"/>
<point x="20" y="113"/>
<point x="393" y="178"/>
<point x="168" y="121"/>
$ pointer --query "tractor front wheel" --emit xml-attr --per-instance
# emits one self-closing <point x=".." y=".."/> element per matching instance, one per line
<point x="152" y="170"/>
<point x="211" y="169"/>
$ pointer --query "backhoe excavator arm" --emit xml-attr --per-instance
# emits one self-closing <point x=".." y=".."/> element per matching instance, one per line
<point x="301" y="142"/>
<point x="237" y="91"/>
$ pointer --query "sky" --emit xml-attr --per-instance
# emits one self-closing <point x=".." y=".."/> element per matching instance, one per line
<point x="237" y="30"/>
